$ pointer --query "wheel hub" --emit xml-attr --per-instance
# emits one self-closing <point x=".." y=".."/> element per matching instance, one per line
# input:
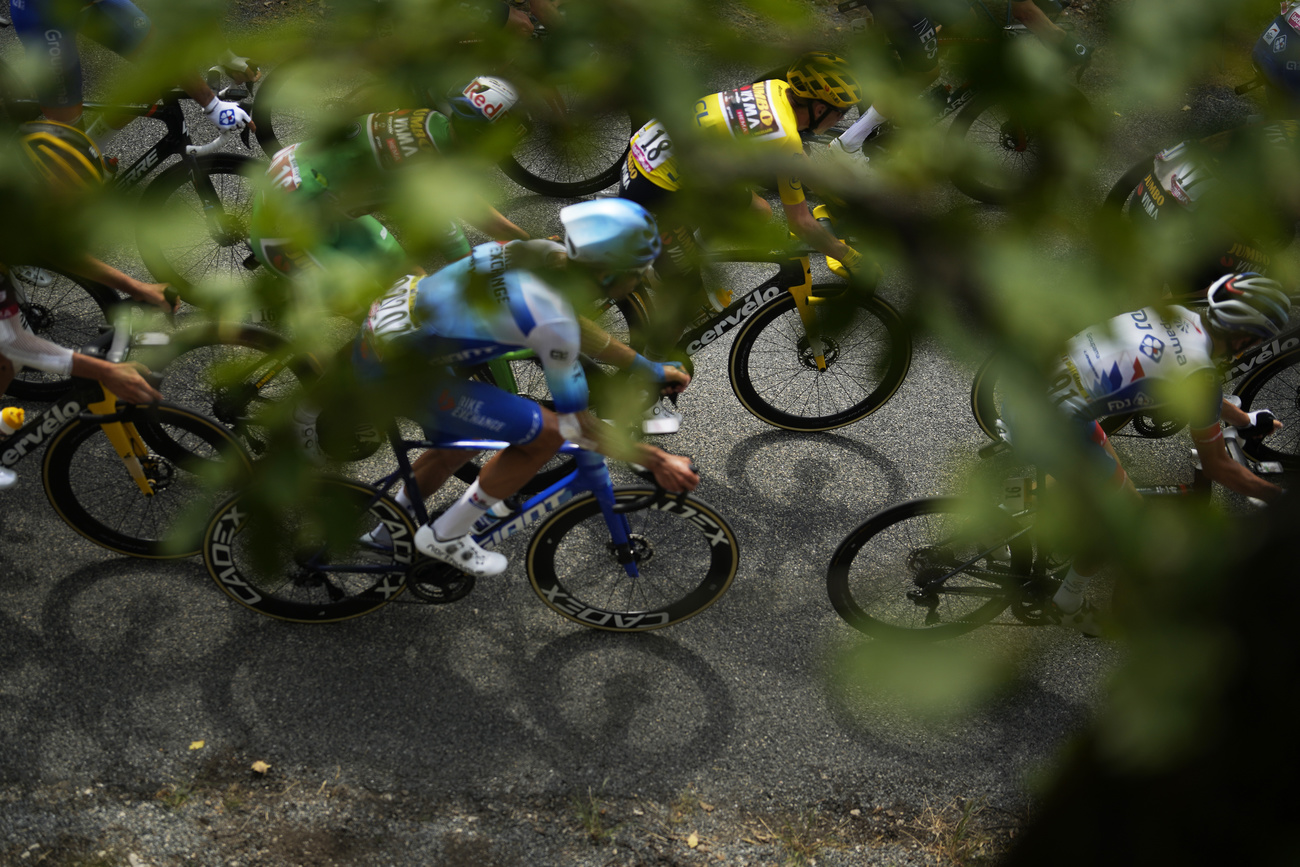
<point x="643" y="550"/>
<point x="830" y="350"/>
<point x="37" y="316"/>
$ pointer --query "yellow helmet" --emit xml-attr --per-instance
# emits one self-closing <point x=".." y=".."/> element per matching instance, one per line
<point x="826" y="78"/>
<point x="62" y="155"/>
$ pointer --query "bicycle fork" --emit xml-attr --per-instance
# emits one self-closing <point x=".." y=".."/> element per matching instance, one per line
<point x="593" y="471"/>
<point x="125" y="438"/>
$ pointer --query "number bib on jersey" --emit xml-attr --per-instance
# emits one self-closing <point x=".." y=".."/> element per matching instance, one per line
<point x="391" y="315"/>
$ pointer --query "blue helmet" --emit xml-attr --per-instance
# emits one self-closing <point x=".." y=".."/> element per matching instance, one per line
<point x="613" y="234"/>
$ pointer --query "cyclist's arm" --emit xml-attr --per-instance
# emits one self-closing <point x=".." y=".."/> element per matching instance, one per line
<point x="101" y="272"/>
<point x="496" y="226"/>
<point x="672" y="472"/>
<point x="601" y="345"/>
<point x="1027" y="13"/>
<point x="807" y="229"/>
<point x="27" y="350"/>
<point x="1221" y="469"/>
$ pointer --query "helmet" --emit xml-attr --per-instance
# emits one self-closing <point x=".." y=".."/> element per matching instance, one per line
<point x="615" y="234"/>
<point x="63" y="155"/>
<point x="1248" y="303"/>
<point x="484" y="101"/>
<point x="825" y="77"/>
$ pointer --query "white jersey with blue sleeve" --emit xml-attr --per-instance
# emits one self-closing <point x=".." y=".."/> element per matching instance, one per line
<point x="477" y="309"/>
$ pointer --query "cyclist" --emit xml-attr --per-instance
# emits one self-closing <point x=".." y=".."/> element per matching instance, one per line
<point x="770" y="114"/>
<point x="912" y="28"/>
<point x="321" y="192"/>
<point x="1150" y="358"/>
<point x="68" y="165"/>
<point x="495" y="301"/>
<point x="20" y="348"/>
<point x="48" y="29"/>
<point x="1276" y="56"/>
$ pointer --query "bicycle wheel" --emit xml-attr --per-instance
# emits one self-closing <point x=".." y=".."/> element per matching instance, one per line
<point x="1276" y="387"/>
<point x="181" y="243"/>
<point x="575" y="152"/>
<point x="189" y="467"/>
<point x="685" y="553"/>
<point x="999" y="157"/>
<point x="233" y="372"/>
<point x="63" y="309"/>
<point x="921" y="569"/>
<point x="774" y="373"/>
<point x="306" y="564"/>
<point x="1120" y="197"/>
<point x="986" y="398"/>
<point x="304" y="98"/>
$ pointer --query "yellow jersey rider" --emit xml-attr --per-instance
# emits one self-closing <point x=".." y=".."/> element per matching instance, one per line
<point x="820" y="90"/>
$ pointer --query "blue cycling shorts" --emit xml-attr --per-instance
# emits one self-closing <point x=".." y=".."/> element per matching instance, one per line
<point x="458" y="408"/>
<point x="48" y="30"/>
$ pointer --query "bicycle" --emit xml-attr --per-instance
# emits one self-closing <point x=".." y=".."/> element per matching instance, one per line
<point x="134" y="489"/>
<point x="807" y="357"/>
<point x="999" y="153"/>
<point x="938" y="567"/>
<point x="624" y="559"/>
<point x="196" y="210"/>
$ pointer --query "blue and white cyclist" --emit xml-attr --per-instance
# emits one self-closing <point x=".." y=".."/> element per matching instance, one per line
<point x="1151" y="358"/>
<point x="498" y="300"/>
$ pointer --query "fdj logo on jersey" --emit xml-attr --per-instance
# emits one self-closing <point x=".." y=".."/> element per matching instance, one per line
<point x="1152" y="347"/>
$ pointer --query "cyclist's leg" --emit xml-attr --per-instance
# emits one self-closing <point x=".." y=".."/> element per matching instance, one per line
<point x="47" y="31"/>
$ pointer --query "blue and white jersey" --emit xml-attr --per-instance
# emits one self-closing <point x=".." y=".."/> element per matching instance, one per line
<point x="1138" y="361"/>
<point x="477" y="309"/>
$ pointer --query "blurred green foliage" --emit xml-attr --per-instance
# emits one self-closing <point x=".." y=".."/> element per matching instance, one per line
<point x="1050" y="265"/>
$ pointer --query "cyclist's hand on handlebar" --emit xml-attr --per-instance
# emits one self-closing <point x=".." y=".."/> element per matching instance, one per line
<point x="675" y="473"/>
<point x="227" y="116"/>
<point x="1262" y="423"/>
<point x="128" y="383"/>
<point x="675" y="378"/>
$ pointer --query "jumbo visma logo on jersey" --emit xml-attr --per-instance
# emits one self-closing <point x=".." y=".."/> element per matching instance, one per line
<point x="750" y="113"/>
<point x="399" y="136"/>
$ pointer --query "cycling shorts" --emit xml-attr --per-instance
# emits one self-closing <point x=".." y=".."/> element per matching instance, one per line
<point x="48" y="30"/>
<point x="459" y="408"/>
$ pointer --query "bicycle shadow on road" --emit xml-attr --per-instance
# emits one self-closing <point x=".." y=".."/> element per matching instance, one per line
<point x="122" y="676"/>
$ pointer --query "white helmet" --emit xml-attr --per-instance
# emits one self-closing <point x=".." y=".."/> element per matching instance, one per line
<point x="1248" y="303"/>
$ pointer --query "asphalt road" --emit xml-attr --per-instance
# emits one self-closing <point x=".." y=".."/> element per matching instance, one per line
<point x="110" y="668"/>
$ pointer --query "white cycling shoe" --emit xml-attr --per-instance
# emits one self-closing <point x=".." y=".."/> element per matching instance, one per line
<point x="462" y="552"/>
<point x="33" y="276"/>
<point x="7" y="478"/>
<point x="661" y="419"/>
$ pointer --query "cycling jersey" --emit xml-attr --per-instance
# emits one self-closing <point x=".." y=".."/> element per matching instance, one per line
<point x="1136" y="362"/>
<point x="349" y="176"/>
<point x="913" y="27"/>
<point x="759" y="112"/>
<point x="48" y="29"/>
<point x="470" y="312"/>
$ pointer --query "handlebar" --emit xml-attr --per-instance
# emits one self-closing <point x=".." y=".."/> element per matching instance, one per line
<point x="659" y="496"/>
<point x="217" y="143"/>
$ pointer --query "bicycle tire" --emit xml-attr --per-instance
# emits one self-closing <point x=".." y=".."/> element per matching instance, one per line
<point x="580" y="157"/>
<point x="70" y="312"/>
<point x="686" y="553"/>
<point x="293" y="589"/>
<point x="1276" y="387"/>
<point x="232" y="372"/>
<point x="176" y="243"/>
<point x="775" y="376"/>
<point x="986" y="402"/>
<point x="880" y="562"/>
<point x="88" y="486"/>
<point x="998" y="160"/>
